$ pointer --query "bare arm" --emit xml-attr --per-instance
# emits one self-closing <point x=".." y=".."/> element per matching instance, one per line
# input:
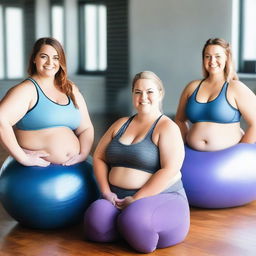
<point x="246" y="103"/>
<point x="85" y="131"/>
<point x="180" y="118"/>
<point x="13" y="107"/>
<point x="100" y="166"/>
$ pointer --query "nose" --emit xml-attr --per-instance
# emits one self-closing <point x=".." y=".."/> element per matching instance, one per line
<point x="49" y="61"/>
<point x="212" y="59"/>
<point x="144" y="95"/>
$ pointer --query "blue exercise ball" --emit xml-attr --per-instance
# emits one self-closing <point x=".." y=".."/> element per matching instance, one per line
<point x="220" y="179"/>
<point x="47" y="197"/>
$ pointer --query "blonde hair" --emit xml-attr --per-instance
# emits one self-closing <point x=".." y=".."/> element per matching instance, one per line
<point x="151" y="76"/>
<point x="229" y="71"/>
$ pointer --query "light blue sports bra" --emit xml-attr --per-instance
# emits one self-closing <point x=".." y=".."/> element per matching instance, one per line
<point x="218" y="110"/>
<point x="47" y="113"/>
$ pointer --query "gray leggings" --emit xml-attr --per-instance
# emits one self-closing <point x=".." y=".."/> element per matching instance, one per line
<point x="121" y="192"/>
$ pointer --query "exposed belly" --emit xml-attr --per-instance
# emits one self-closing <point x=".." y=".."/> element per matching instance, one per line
<point x="59" y="142"/>
<point x="206" y="136"/>
<point x="128" y="178"/>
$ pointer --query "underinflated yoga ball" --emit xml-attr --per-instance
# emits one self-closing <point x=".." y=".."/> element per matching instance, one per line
<point x="47" y="197"/>
<point x="220" y="179"/>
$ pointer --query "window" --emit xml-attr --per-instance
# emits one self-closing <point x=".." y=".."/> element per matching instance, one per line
<point x="93" y="37"/>
<point x="11" y="52"/>
<point x="247" y="36"/>
<point x="57" y="22"/>
<point x="1" y="44"/>
<point x="14" y="50"/>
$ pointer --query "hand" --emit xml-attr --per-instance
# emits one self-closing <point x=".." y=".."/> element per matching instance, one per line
<point x="122" y="203"/>
<point x="111" y="197"/>
<point x="35" y="158"/>
<point x="74" y="160"/>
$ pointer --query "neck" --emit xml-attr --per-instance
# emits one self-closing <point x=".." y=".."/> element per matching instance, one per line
<point x="148" y="116"/>
<point x="44" y="80"/>
<point x="216" y="77"/>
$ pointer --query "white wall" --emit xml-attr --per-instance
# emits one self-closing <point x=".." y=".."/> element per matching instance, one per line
<point x="167" y="36"/>
<point x="92" y="87"/>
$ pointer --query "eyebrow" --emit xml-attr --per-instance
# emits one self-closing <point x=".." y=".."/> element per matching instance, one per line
<point x="146" y="90"/>
<point x="42" y="53"/>
<point x="214" y="53"/>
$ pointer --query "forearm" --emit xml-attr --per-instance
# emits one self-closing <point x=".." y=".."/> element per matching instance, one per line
<point x="161" y="180"/>
<point x="10" y="143"/>
<point x="101" y="174"/>
<point x="184" y="128"/>
<point x="86" y="141"/>
<point x="249" y="135"/>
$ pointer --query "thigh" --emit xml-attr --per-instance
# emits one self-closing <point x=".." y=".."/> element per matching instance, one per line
<point x="100" y="221"/>
<point x="155" y="222"/>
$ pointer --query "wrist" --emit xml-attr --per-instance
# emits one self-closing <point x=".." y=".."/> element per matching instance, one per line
<point x="83" y="155"/>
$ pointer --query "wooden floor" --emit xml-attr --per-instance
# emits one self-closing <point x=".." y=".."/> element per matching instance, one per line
<point x="225" y="232"/>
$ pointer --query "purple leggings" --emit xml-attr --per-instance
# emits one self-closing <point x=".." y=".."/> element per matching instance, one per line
<point x="153" y="222"/>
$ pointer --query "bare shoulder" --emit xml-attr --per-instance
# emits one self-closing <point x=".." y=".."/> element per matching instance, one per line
<point x="119" y="122"/>
<point x="191" y="86"/>
<point x="25" y="87"/>
<point x="114" y="128"/>
<point x="167" y="125"/>
<point x="77" y="94"/>
<point x="75" y="88"/>
<point x="239" y="87"/>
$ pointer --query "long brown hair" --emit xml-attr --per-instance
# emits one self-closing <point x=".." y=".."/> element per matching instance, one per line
<point x="229" y="71"/>
<point x="61" y="79"/>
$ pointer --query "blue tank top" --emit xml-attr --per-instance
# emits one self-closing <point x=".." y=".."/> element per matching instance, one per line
<point x="143" y="155"/>
<point x="218" y="110"/>
<point x="47" y="113"/>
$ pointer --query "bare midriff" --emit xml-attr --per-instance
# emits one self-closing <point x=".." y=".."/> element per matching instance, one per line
<point x="59" y="142"/>
<point x="207" y="136"/>
<point x="129" y="178"/>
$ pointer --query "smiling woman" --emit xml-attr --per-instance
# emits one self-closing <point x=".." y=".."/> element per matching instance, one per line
<point x="215" y="104"/>
<point x="46" y="128"/>
<point x="137" y="165"/>
<point x="49" y="115"/>
<point x="209" y="116"/>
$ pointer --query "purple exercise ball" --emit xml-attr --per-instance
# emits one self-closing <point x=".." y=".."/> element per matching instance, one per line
<point x="220" y="179"/>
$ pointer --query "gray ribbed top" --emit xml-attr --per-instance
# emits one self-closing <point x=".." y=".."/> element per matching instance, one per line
<point x="143" y="155"/>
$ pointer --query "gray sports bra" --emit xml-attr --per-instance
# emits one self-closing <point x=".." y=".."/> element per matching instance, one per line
<point x="143" y="155"/>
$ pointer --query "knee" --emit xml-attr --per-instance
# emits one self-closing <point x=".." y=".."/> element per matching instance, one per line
<point x="149" y="226"/>
<point x="136" y="229"/>
<point x="100" y="221"/>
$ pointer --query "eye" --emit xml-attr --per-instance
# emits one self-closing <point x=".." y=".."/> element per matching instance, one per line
<point x="137" y="92"/>
<point x="56" y="58"/>
<point x="150" y="92"/>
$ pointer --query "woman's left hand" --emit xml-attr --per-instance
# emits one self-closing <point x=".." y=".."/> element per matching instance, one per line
<point x="123" y="203"/>
<point x="74" y="160"/>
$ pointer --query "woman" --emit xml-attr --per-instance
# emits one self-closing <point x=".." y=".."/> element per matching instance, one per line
<point x="215" y="104"/>
<point x="44" y="119"/>
<point x="219" y="167"/>
<point x="137" y="165"/>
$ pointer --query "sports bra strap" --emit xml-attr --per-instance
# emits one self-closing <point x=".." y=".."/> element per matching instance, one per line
<point x="124" y="127"/>
<point x="34" y="82"/>
<point x="150" y="132"/>
<point x="126" y="124"/>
